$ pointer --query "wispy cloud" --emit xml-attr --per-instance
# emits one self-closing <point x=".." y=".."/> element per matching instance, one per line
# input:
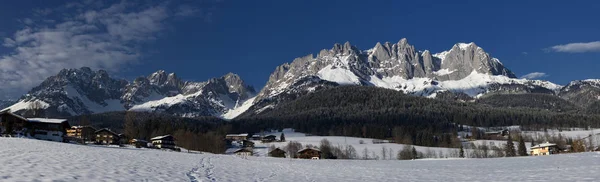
<point x="579" y="47"/>
<point x="99" y="36"/>
<point x="534" y="75"/>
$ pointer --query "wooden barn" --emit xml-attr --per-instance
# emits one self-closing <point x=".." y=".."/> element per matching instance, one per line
<point x="277" y="152"/>
<point x="269" y="138"/>
<point x="309" y="153"/>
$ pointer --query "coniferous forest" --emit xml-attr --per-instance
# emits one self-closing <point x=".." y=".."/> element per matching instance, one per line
<point x="360" y="111"/>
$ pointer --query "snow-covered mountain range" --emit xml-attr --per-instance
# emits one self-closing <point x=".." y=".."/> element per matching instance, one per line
<point x="465" y="69"/>
<point x="83" y="91"/>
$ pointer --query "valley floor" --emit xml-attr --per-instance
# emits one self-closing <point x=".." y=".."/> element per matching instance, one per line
<point x="33" y="160"/>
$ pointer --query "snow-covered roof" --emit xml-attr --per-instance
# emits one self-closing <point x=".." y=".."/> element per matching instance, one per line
<point x="308" y="149"/>
<point x="106" y="129"/>
<point x="160" y="137"/>
<point x="47" y="120"/>
<point x="242" y="150"/>
<point x="237" y="135"/>
<point x="547" y="144"/>
<point x="139" y="140"/>
<point x="7" y="111"/>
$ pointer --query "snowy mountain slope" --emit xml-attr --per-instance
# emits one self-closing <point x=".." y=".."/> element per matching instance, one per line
<point x="35" y="160"/>
<point x="83" y="91"/>
<point x="582" y="92"/>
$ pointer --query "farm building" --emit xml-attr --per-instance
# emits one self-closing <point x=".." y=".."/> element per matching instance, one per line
<point x="277" y="152"/>
<point x="309" y="153"/>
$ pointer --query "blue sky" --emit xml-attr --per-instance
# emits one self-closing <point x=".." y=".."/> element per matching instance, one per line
<point x="555" y="40"/>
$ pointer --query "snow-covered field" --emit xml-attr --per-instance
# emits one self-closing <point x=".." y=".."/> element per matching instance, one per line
<point x="375" y="151"/>
<point x="36" y="160"/>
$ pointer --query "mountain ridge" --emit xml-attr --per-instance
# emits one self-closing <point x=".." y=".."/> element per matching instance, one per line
<point x="464" y="71"/>
<point x="82" y="91"/>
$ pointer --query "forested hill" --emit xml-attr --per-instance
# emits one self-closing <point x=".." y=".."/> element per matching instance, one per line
<point x="372" y="112"/>
<point x="530" y="100"/>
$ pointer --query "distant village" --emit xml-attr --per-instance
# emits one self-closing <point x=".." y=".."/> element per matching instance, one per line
<point x="59" y="130"/>
<point x="242" y="145"/>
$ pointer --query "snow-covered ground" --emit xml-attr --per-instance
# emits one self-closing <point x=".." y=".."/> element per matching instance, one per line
<point x="36" y="160"/>
<point x="375" y="151"/>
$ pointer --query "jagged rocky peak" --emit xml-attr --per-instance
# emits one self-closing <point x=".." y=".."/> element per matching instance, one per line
<point x="385" y="61"/>
<point x="236" y="84"/>
<point x="465" y="58"/>
<point x="161" y="78"/>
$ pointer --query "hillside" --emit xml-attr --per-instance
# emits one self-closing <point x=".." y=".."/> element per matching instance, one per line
<point x="372" y="112"/>
<point x="27" y="160"/>
<point x="531" y="101"/>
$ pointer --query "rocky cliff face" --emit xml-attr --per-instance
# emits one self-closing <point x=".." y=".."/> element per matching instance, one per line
<point x="83" y="91"/>
<point x="465" y="68"/>
<point x="582" y="92"/>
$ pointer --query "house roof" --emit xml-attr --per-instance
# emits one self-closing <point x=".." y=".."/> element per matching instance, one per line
<point x="106" y="129"/>
<point x="277" y="149"/>
<point x="7" y="111"/>
<point x="47" y="120"/>
<point x="308" y="149"/>
<point x="160" y="137"/>
<point x="237" y="135"/>
<point x="139" y="140"/>
<point x="547" y="144"/>
<point x="242" y="150"/>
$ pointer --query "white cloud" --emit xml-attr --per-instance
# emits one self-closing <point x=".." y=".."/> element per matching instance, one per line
<point x="534" y="75"/>
<point x="101" y="38"/>
<point x="579" y="47"/>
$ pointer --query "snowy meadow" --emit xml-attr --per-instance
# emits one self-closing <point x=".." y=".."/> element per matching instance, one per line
<point x="36" y="160"/>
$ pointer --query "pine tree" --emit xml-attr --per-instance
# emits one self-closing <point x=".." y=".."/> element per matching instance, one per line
<point x="510" y="148"/>
<point x="414" y="153"/>
<point x="282" y="137"/>
<point x="461" y="153"/>
<point x="522" y="148"/>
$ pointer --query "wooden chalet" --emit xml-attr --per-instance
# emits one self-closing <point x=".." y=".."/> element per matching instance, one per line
<point x="106" y="136"/>
<point x="164" y="142"/>
<point x="309" y="153"/>
<point x="277" y="152"/>
<point x="269" y="138"/>
<point x="80" y="133"/>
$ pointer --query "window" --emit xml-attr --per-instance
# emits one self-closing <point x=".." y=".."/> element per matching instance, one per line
<point x="97" y="135"/>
